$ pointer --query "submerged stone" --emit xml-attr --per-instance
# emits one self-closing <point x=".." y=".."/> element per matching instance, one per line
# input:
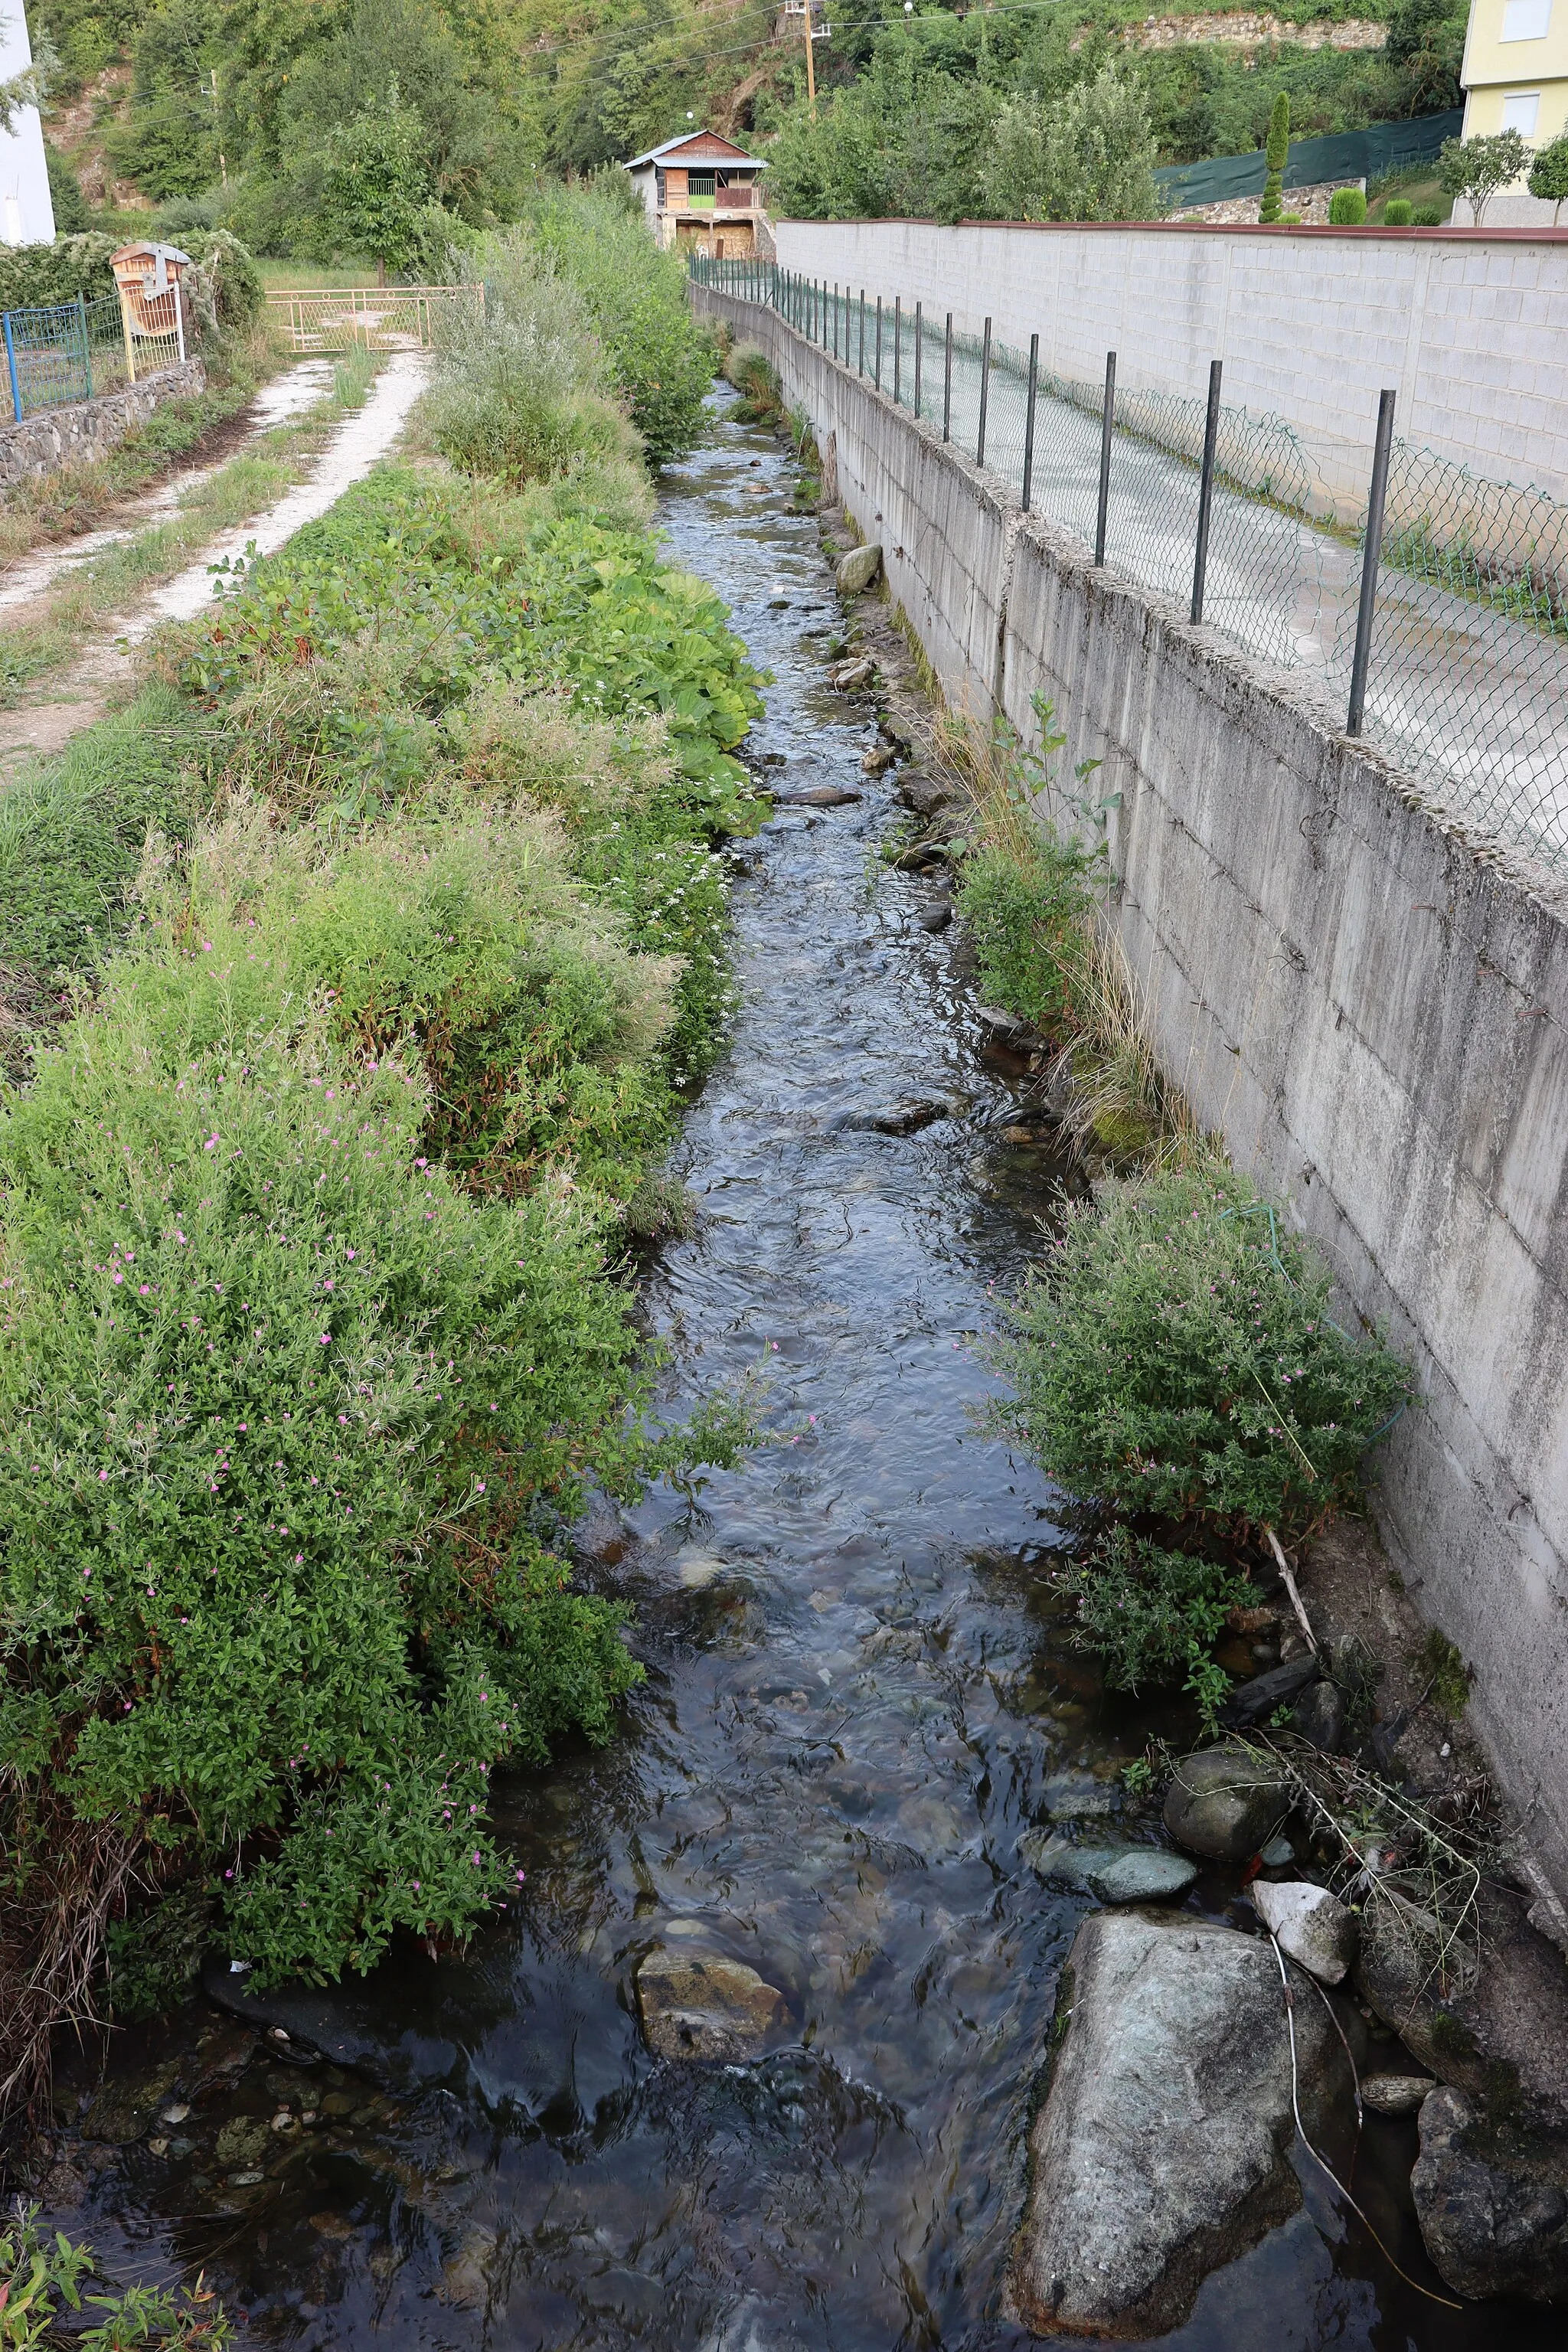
<point x="700" y="2006"/>
<point x="1116" y="1874"/>
<point x="1395" y="2094"/>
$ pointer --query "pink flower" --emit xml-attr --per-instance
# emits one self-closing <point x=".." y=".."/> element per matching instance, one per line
<point x="326" y="1338"/>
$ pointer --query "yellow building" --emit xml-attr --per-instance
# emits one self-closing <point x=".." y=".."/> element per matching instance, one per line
<point x="1516" y="68"/>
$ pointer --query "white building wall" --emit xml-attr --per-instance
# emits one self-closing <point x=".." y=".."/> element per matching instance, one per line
<point x="26" y="216"/>
<point x="1471" y="329"/>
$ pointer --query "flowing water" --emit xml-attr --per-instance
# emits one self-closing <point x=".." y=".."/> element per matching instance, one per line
<point x="858" y="1700"/>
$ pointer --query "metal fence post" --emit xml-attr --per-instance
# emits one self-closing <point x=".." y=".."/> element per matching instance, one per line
<point x="985" y="394"/>
<point x="836" y="318"/>
<point x="1029" y="420"/>
<point x="1371" y="554"/>
<point x="1107" y="420"/>
<point x="1206" y="492"/>
<point x="920" y="338"/>
<point x="862" y="367"/>
<point x="11" y="363"/>
<point x="85" y="342"/>
<point x="897" y="349"/>
<point x="947" y="383"/>
<point x="877" y="373"/>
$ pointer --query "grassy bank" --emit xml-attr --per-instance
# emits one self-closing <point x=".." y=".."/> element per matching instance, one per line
<point x="354" y="973"/>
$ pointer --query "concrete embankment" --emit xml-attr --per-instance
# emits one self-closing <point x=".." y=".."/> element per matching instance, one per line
<point x="1369" y="1004"/>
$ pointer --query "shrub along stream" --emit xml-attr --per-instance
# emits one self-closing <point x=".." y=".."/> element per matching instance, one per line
<point x="355" y="972"/>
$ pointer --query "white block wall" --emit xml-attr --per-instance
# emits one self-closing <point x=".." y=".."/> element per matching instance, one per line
<point x="1469" y="328"/>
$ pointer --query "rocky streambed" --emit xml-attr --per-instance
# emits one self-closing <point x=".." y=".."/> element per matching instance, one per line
<point x="855" y="1996"/>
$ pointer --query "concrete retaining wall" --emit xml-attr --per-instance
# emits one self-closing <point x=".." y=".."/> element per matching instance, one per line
<point x="1371" y="1007"/>
<point x="86" y="431"/>
<point x="1469" y="328"/>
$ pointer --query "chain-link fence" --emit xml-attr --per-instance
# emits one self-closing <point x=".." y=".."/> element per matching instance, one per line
<point x="1455" y="660"/>
<point x="63" y="352"/>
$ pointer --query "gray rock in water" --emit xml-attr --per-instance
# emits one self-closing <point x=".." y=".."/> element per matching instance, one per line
<point x="1226" y="1802"/>
<point x="819" y="796"/>
<point x="1395" y="2094"/>
<point x="877" y="756"/>
<point x="1318" y="1716"/>
<point x="1142" y="1874"/>
<point x="896" y="1119"/>
<point x="937" y="916"/>
<point x="702" y="2006"/>
<point x="1492" y="2205"/>
<point x="850" y="676"/>
<point x="1162" y="2149"/>
<point x="856" y="570"/>
<point x="1117" y="1874"/>
<point x="1309" y="1925"/>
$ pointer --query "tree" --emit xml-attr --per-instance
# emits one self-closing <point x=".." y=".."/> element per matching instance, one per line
<point x="1276" y="155"/>
<point x="1089" y="156"/>
<point x="1477" y="168"/>
<point x="1426" y="43"/>
<point x="1548" y="174"/>
<point x="378" y="182"/>
<point x="31" y="86"/>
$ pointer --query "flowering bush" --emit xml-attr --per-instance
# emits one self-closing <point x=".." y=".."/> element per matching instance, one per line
<point x="1177" y="1356"/>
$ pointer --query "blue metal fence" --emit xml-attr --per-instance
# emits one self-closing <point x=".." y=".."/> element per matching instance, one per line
<point x="61" y="352"/>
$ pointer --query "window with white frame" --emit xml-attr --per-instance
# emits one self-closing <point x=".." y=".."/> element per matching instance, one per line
<point x="1526" y="20"/>
<point x="1519" y="110"/>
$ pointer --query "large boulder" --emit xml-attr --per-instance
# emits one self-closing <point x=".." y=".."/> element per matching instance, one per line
<point x="1226" y="1802"/>
<point x="856" y="570"/>
<point x="1162" y="2149"/>
<point x="1492" y="2203"/>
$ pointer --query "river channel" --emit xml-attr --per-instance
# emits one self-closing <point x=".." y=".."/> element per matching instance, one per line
<point x="858" y="1700"/>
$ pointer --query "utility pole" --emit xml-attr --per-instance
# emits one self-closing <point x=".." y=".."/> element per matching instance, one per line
<point x="810" y="62"/>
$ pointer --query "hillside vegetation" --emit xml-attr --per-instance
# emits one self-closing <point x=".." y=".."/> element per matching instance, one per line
<point x="326" y="128"/>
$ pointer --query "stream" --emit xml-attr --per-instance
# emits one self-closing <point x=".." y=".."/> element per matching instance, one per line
<point x="860" y="1696"/>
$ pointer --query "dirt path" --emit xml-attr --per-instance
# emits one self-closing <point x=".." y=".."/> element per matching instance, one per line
<point x="107" y="666"/>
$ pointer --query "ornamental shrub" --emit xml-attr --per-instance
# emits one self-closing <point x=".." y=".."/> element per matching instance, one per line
<point x="1347" y="208"/>
<point x="1177" y="1356"/>
<point x="1398" y="212"/>
<point x="1276" y="155"/>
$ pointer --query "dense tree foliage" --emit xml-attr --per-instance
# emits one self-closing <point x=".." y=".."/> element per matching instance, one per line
<point x="935" y="114"/>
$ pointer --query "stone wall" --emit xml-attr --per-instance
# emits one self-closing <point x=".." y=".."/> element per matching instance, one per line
<point x="1369" y="1006"/>
<point x="1470" y="328"/>
<point x="85" y="431"/>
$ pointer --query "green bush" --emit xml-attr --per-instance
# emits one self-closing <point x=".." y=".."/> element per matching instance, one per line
<point x="41" y="274"/>
<point x="66" y="199"/>
<point x="1347" y="208"/>
<point x="1022" y="906"/>
<point x="661" y="360"/>
<point x="228" y="293"/>
<point x="1176" y="1357"/>
<point x="1153" y="1614"/>
<point x="464" y="929"/>
<point x="1428" y="217"/>
<point x="286" y="1423"/>
<point x="1398" y="212"/>
<point x="756" y="380"/>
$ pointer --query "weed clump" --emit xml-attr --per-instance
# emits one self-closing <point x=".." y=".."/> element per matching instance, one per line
<point x="1177" y="1356"/>
<point x="1149" y="1613"/>
<point x="1447" y="1682"/>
